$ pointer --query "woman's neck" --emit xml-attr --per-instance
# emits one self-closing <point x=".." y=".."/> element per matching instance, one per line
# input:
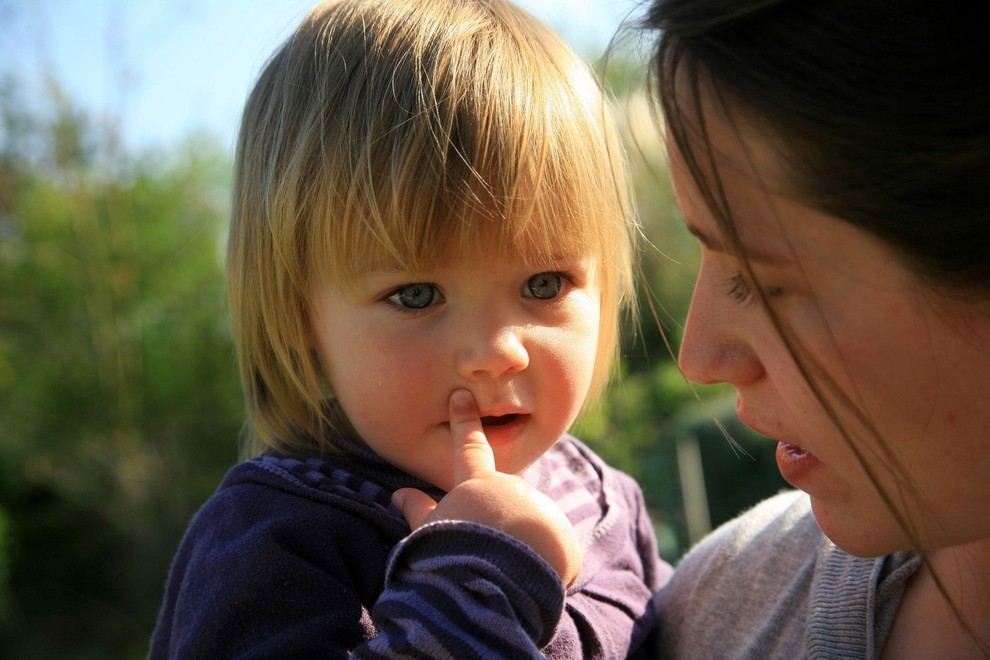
<point x="927" y="626"/>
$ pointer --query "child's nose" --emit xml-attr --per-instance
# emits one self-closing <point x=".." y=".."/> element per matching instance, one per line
<point x="492" y="353"/>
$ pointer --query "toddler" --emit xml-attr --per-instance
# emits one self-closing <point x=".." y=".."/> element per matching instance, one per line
<point x="429" y="198"/>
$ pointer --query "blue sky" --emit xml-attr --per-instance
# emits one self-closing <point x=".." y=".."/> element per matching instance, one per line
<point x="165" y="68"/>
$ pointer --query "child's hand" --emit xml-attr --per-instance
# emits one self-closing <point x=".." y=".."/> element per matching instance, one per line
<point x="503" y="501"/>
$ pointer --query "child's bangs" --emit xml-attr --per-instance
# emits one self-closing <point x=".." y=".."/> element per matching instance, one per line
<point x="538" y="214"/>
<point x="540" y="224"/>
<point x="497" y="140"/>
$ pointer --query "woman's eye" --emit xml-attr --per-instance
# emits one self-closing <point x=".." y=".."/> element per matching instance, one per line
<point x="738" y="289"/>
<point x="415" y="296"/>
<point x="544" y="286"/>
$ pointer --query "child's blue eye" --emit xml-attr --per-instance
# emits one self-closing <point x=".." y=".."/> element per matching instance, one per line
<point x="415" y="296"/>
<point x="544" y="286"/>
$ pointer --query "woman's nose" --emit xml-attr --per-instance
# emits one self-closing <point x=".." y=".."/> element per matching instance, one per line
<point x="491" y="352"/>
<point x="715" y="347"/>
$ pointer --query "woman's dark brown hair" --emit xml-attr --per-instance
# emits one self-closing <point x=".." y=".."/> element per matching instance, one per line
<point x="883" y="107"/>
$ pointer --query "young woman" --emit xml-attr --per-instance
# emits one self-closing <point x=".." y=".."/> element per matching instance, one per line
<point x="832" y="159"/>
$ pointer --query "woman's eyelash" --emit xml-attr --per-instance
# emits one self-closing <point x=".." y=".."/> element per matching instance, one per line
<point x="738" y="289"/>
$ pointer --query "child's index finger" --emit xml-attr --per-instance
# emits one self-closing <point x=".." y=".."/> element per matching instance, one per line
<point x="472" y="454"/>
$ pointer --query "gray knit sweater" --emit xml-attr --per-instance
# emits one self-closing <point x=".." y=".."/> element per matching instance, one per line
<point x="769" y="584"/>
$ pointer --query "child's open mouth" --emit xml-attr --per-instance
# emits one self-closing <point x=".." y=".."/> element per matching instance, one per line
<point x="499" y="420"/>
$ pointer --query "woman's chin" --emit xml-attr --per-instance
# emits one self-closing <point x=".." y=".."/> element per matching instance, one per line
<point x="855" y="533"/>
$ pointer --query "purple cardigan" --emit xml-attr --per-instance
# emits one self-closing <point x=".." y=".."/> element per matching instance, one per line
<point x="307" y="558"/>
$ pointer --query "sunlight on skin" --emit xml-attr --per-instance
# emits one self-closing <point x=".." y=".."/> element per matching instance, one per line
<point x="503" y="501"/>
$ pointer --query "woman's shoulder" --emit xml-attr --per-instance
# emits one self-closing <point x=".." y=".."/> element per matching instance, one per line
<point x="747" y="584"/>
<point x="788" y="512"/>
<point x="778" y="529"/>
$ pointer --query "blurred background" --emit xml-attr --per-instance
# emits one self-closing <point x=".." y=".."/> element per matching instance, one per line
<point x="120" y="408"/>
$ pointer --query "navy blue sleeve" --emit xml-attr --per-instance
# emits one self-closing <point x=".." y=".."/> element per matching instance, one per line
<point x="486" y="595"/>
<point x="259" y="575"/>
<point x="263" y="576"/>
<point x="270" y="570"/>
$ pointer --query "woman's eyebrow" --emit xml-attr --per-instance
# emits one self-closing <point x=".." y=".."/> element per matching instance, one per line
<point x="715" y="244"/>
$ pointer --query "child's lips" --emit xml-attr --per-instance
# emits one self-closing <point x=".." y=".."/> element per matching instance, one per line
<point x="504" y="429"/>
<point x="499" y="420"/>
<point x="495" y="421"/>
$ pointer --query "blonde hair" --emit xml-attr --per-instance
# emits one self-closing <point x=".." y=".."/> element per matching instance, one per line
<point x="382" y="134"/>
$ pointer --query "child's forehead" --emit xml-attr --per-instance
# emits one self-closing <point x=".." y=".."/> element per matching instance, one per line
<point x="483" y="257"/>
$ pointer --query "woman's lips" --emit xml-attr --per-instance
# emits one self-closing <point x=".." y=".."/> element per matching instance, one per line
<point x="796" y="464"/>
<point x="790" y="450"/>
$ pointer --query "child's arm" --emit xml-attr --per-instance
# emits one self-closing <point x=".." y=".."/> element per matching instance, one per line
<point x="607" y="614"/>
<point x="285" y="584"/>
<point x="455" y="587"/>
<point x="502" y="501"/>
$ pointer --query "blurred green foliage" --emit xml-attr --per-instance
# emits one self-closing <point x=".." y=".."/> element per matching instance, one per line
<point x="119" y="403"/>
<point x="120" y="408"/>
